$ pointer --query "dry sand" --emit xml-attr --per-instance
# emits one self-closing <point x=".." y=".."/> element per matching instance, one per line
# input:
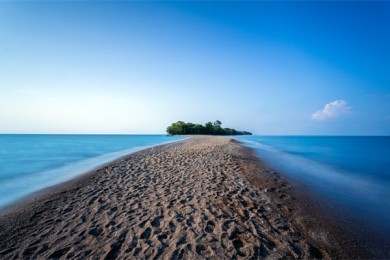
<point x="206" y="197"/>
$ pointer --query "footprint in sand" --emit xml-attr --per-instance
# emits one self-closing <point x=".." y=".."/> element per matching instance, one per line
<point x="210" y="226"/>
<point x="156" y="221"/>
<point x="146" y="233"/>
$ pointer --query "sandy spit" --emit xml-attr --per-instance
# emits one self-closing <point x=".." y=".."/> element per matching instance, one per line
<point x="205" y="197"/>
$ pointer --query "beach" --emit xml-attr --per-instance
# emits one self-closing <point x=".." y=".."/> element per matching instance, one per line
<point x="204" y="197"/>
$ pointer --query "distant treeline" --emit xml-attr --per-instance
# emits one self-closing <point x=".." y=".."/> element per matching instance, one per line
<point x="182" y="128"/>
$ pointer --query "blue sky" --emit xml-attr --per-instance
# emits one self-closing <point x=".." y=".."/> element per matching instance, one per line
<point x="275" y="68"/>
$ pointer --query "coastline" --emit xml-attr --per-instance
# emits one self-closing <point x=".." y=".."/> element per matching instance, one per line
<point x="314" y="216"/>
<point x="56" y="171"/>
<point x="195" y="198"/>
<point x="75" y="182"/>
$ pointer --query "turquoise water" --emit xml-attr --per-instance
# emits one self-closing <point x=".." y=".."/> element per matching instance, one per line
<point x="29" y="163"/>
<point x="352" y="173"/>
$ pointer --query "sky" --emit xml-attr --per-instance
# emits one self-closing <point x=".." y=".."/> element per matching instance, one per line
<point x="134" y="67"/>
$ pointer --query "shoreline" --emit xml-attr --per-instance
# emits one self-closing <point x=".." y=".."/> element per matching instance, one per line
<point x="362" y="234"/>
<point x="311" y="213"/>
<point x="74" y="182"/>
<point x="115" y="206"/>
<point x="79" y="173"/>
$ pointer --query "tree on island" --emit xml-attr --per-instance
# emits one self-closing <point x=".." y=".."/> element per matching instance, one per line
<point x="182" y="128"/>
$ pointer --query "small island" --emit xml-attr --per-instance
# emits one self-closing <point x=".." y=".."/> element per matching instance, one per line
<point x="182" y="128"/>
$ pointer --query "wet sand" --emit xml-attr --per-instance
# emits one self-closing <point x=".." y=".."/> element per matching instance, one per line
<point x="205" y="197"/>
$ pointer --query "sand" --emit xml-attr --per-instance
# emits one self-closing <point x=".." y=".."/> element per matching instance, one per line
<point x="205" y="197"/>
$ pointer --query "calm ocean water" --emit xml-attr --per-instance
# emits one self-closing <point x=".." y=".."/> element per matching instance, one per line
<point x="31" y="162"/>
<point x="352" y="173"/>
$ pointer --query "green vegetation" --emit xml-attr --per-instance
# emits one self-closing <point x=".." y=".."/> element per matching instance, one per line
<point x="182" y="128"/>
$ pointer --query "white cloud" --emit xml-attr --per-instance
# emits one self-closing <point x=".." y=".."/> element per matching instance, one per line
<point x="332" y="109"/>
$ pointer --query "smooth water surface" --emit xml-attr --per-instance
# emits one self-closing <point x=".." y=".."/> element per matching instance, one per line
<point x="31" y="162"/>
<point x="353" y="173"/>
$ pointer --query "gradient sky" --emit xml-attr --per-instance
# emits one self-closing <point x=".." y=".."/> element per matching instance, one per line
<point x="296" y="68"/>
